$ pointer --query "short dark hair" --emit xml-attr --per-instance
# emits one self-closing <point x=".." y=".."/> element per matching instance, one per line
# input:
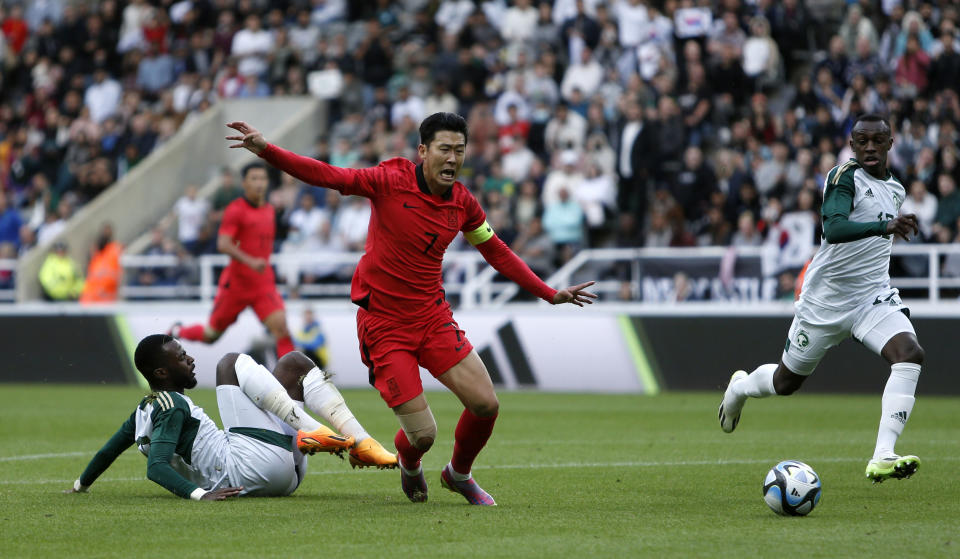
<point x="251" y="166"/>
<point x="871" y="117"/>
<point x="441" y="121"/>
<point x="149" y="354"/>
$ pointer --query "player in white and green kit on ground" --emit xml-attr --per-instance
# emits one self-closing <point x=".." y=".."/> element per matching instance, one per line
<point x="846" y="292"/>
<point x="261" y="450"/>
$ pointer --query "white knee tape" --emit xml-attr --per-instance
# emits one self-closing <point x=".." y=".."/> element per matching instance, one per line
<point x="418" y="425"/>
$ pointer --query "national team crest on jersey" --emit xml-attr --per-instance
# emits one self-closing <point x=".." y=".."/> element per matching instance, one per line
<point x="452" y="218"/>
<point x="801" y="340"/>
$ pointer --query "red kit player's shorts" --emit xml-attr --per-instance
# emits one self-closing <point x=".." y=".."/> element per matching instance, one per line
<point x="393" y="350"/>
<point x="232" y="298"/>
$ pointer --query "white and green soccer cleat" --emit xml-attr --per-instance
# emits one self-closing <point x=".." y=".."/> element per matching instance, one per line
<point x="895" y="467"/>
<point x="731" y="405"/>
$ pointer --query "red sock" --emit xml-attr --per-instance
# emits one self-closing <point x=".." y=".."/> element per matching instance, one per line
<point x="471" y="435"/>
<point x="194" y="333"/>
<point x="409" y="454"/>
<point x="284" y="346"/>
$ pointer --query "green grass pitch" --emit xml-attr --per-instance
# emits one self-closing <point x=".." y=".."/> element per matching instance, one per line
<point x="574" y="475"/>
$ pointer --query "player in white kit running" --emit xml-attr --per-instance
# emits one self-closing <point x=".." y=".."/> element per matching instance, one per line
<point x="261" y="449"/>
<point x="846" y="292"/>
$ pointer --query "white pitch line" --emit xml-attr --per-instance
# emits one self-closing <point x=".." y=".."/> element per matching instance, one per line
<point x="41" y="456"/>
<point x="625" y="464"/>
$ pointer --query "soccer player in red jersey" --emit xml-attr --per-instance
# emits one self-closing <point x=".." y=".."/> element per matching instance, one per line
<point x="246" y="236"/>
<point x="404" y="318"/>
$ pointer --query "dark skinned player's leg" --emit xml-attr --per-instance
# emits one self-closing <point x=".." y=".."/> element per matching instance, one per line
<point x="278" y="395"/>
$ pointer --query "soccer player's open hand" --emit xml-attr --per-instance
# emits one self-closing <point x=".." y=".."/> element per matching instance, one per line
<point x="902" y="225"/>
<point x="221" y="494"/>
<point x="249" y="137"/>
<point x="575" y="295"/>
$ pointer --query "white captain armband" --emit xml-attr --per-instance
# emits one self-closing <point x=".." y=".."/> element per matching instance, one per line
<point x="479" y="235"/>
<point x="198" y="493"/>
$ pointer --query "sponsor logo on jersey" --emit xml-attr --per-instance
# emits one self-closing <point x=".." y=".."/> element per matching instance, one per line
<point x="869" y="193"/>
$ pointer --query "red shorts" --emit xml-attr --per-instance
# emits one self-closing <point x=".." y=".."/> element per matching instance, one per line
<point x="393" y="350"/>
<point x="232" y="298"/>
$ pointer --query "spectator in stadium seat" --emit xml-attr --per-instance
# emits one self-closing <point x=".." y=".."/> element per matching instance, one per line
<point x="566" y="175"/>
<point x="636" y="151"/>
<point x="585" y="74"/>
<point x="856" y="27"/>
<point x="692" y="186"/>
<point x="535" y="247"/>
<point x="945" y="68"/>
<point x="518" y="24"/>
<point x="563" y="221"/>
<point x="60" y="276"/>
<point x="406" y="105"/>
<point x="103" y="95"/>
<point x="155" y="71"/>
<point x="746" y="234"/>
<point x="761" y="57"/>
<point x="948" y="208"/>
<point x="10" y="221"/>
<point x="191" y="213"/>
<point x="567" y="130"/>
<point x="923" y="204"/>
<point x="252" y="46"/>
<point x="912" y="75"/>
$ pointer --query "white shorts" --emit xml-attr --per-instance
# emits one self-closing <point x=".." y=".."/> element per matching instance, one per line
<point x="259" y="455"/>
<point x="816" y="329"/>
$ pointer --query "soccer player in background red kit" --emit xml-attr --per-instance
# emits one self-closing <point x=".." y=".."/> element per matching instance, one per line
<point x="246" y="236"/>
<point x="404" y="318"/>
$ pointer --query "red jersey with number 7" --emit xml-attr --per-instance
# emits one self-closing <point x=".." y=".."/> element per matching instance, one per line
<point x="400" y="275"/>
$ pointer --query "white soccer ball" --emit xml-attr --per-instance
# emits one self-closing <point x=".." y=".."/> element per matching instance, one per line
<point x="792" y="488"/>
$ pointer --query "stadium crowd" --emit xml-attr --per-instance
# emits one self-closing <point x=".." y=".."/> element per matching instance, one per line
<point x="592" y="123"/>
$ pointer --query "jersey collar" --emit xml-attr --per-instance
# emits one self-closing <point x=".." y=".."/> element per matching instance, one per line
<point x="422" y="185"/>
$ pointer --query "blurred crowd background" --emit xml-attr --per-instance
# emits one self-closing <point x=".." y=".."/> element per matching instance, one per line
<point x="617" y="123"/>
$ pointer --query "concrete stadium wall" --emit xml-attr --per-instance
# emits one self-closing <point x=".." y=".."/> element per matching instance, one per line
<point x="193" y="156"/>
<point x="606" y="349"/>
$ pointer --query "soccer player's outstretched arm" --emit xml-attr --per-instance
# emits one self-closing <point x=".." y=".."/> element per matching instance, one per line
<point x="361" y="182"/>
<point x="505" y="261"/>
<point x="119" y="442"/>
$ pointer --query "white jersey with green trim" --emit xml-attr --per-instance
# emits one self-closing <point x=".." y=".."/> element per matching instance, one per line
<point x="201" y="445"/>
<point x="844" y="275"/>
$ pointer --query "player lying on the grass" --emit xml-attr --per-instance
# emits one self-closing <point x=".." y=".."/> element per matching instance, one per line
<point x="405" y="320"/>
<point x="266" y="432"/>
<point x="846" y="292"/>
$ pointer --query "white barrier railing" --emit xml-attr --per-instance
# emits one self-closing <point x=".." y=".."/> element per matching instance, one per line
<point x="467" y="275"/>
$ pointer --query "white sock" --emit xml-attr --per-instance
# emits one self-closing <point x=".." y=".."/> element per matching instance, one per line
<point x="268" y="394"/>
<point x="758" y="384"/>
<point x="323" y="399"/>
<point x="896" y="405"/>
<point x="457" y="475"/>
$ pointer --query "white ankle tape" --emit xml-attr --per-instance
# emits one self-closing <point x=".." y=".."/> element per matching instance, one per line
<point x="322" y="397"/>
